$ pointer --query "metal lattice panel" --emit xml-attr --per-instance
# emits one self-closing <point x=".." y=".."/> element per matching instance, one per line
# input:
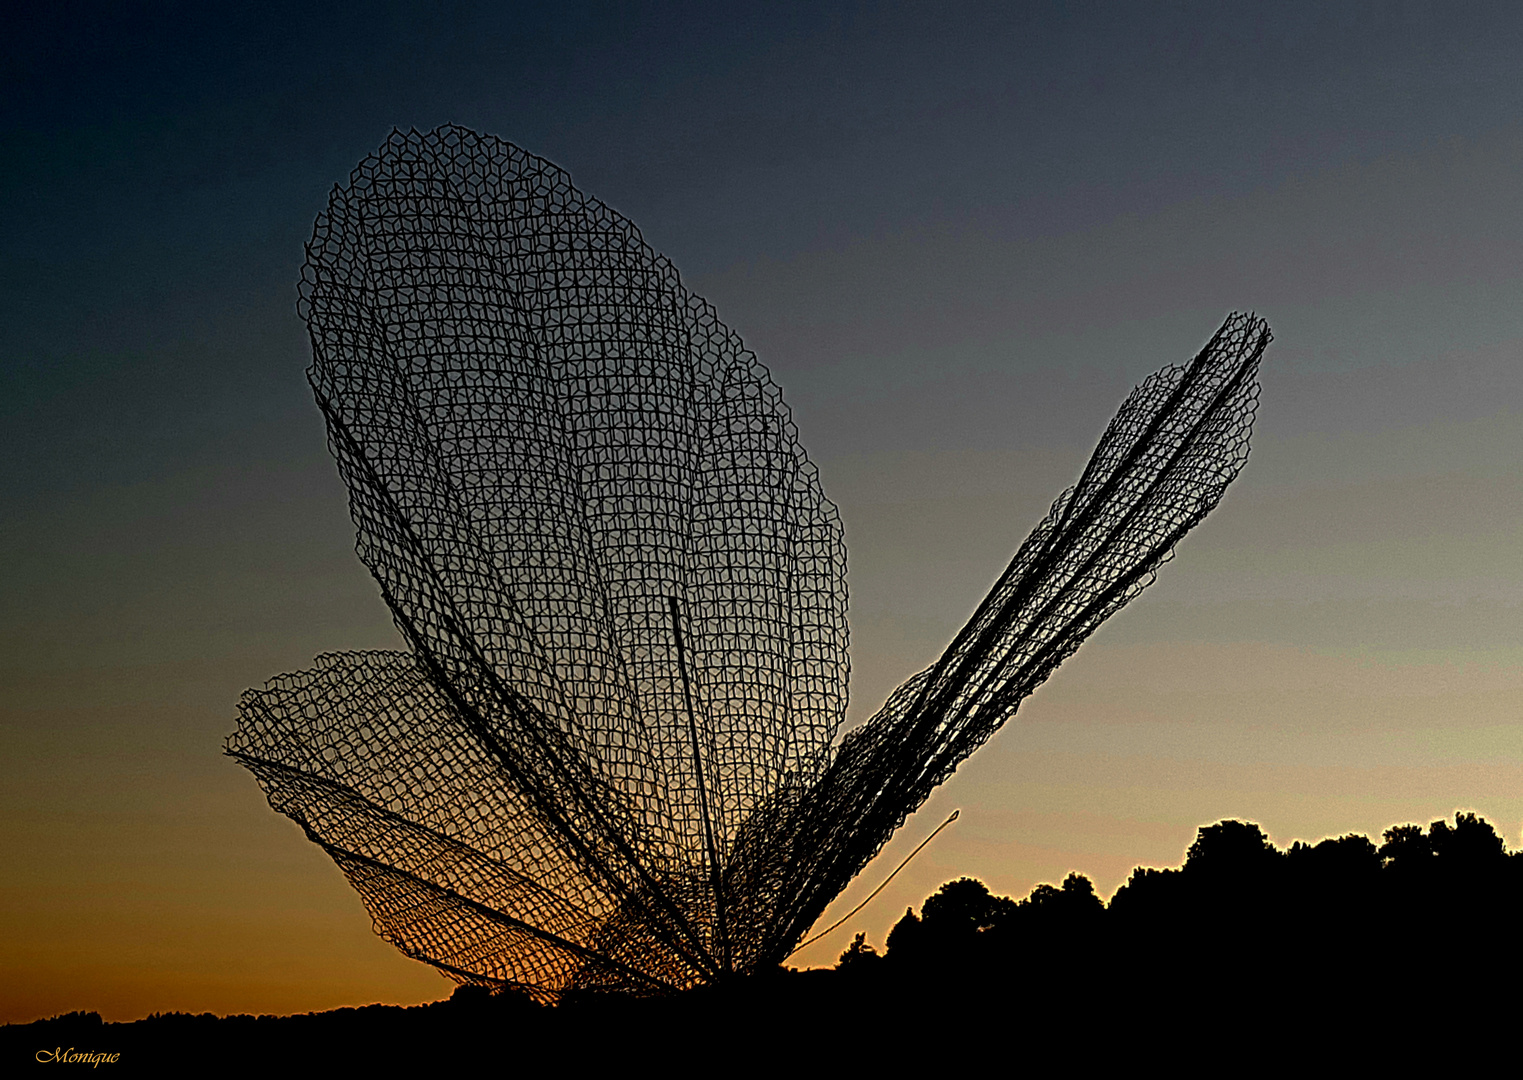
<point x="609" y="760"/>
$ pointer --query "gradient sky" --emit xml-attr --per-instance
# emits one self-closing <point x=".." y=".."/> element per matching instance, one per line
<point x="957" y="236"/>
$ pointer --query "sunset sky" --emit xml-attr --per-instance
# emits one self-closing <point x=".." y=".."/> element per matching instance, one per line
<point x="956" y="234"/>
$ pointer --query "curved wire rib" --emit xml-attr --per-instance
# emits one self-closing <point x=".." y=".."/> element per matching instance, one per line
<point x="608" y="760"/>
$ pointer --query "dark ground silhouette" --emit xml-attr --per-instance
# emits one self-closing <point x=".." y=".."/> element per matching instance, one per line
<point x="1343" y="923"/>
<point x="1374" y="948"/>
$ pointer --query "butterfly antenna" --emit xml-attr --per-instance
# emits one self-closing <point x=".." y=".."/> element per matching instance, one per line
<point x="880" y="888"/>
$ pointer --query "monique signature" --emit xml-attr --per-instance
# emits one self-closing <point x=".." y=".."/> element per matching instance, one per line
<point x="71" y="1056"/>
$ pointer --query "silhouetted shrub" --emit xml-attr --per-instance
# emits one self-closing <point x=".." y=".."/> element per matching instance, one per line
<point x="859" y="957"/>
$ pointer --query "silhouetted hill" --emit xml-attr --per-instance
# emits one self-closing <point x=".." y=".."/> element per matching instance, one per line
<point x="1345" y="935"/>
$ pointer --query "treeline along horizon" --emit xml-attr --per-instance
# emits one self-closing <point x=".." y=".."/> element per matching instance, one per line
<point x="1341" y="932"/>
<point x="1341" y="923"/>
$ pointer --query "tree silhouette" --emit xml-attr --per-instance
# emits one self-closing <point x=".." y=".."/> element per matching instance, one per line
<point x="1074" y="900"/>
<point x="906" y="938"/>
<point x="1230" y="849"/>
<point x="1406" y="848"/>
<point x="859" y="956"/>
<point x="1332" y="924"/>
<point x="959" y="909"/>
<point x="1470" y="844"/>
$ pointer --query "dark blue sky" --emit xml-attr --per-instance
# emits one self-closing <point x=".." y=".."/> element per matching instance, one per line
<point x="163" y="162"/>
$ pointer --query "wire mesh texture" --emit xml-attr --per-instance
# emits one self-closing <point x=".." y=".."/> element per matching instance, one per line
<point x="609" y="760"/>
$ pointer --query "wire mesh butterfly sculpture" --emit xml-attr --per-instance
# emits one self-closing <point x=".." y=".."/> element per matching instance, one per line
<point x="609" y="760"/>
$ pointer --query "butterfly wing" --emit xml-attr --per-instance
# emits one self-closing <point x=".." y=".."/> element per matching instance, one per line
<point x="586" y="506"/>
<point x="1163" y="463"/>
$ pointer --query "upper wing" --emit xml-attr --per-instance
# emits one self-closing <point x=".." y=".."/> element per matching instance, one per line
<point x="586" y="505"/>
